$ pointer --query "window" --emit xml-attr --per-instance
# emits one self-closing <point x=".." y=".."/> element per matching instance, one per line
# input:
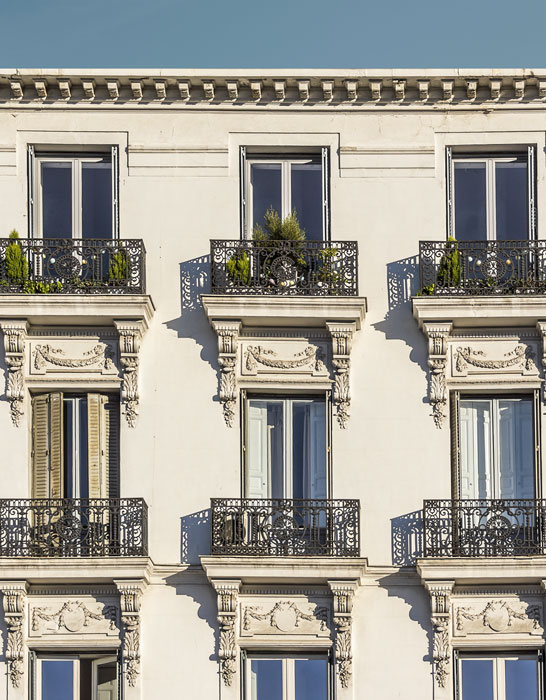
<point x="496" y="447"/>
<point x="75" y="677"/>
<point x="275" y="677"/>
<point x="491" y="197"/>
<point x="499" y="676"/>
<point x="75" y="446"/>
<point x="286" y="448"/>
<point x="298" y="182"/>
<point x="73" y="195"/>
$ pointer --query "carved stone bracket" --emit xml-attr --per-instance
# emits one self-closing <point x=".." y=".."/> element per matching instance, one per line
<point x="15" y="333"/>
<point x="541" y="327"/>
<point x="437" y="334"/>
<point x="130" y="592"/>
<point x="14" y="596"/>
<point x="228" y="594"/>
<point x="343" y="594"/>
<point x="228" y="334"/>
<point x="130" y="336"/>
<point x="440" y="601"/>
<point x="342" y="338"/>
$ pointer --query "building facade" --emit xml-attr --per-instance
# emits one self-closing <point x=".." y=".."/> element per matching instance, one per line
<point x="246" y="463"/>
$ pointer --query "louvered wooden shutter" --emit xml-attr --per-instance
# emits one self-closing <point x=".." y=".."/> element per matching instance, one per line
<point x="40" y="446"/>
<point x="111" y="445"/>
<point x="95" y="450"/>
<point x="56" y="456"/>
<point x="455" y="447"/>
<point x="103" y="445"/>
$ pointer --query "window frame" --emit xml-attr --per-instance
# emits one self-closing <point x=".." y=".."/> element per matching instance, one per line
<point x="35" y="675"/>
<point x="288" y="669"/>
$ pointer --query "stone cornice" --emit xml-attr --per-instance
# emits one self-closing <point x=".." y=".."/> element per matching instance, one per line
<point x="468" y="88"/>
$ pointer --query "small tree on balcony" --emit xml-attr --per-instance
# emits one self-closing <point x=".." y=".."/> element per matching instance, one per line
<point x="16" y="263"/>
<point x="277" y="229"/>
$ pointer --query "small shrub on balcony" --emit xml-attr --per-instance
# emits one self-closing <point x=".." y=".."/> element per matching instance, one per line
<point x="15" y="261"/>
<point x="277" y="229"/>
<point x="117" y="270"/>
<point x="238" y="268"/>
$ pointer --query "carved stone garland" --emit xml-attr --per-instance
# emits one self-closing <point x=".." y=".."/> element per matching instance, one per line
<point x="130" y="599"/>
<point x="342" y="338"/>
<point x="343" y="594"/>
<point x="437" y="334"/>
<point x="440" y="600"/>
<point x="14" y="345"/>
<point x="228" y="594"/>
<point x="228" y="334"/>
<point x="130" y="335"/>
<point x="14" y="595"/>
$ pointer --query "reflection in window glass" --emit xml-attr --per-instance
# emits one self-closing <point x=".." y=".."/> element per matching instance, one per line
<point x="56" y="200"/>
<point x="265" y="180"/>
<point x="477" y="679"/>
<point x="57" y="680"/>
<point x="511" y="201"/>
<point x="97" y="200"/>
<point x="470" y="201"/>
<point x="521" y="679"/>
<point x="266" y="679"/>
<point x="306" y="188"/>
<point x="311" y="679"/>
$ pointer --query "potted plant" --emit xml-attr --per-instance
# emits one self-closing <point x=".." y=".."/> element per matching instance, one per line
<point x="279" y="244"/>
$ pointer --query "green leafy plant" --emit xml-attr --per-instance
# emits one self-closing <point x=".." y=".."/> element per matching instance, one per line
<point x="15" y="261"/>
<point x="327" y="273"/>
<point x="277" y="229"/>
<point x="42" y="287"/>
<point x="117" y="271"/>
<point x="238" y="268"/>
<point x="426" y="291"/>
<point x="449" y="270"/>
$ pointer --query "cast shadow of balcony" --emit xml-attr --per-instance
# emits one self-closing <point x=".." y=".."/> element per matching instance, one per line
<point x="194" y="536"/>
<point x="407" y="533"/>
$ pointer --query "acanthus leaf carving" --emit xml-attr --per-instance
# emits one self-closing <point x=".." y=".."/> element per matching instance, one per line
<point x="437" y="334"/>
<point x="343" y="595"/>
<point x="15" y="333"/>
<point x="440" y="599"/>
<point x="228" y="334"/>
<point x="130" y="600"/>
<point x="130" y="336"/>
<point x="228" y="595"/>
<point x="14" y="600"/>
<point x="342" y="338"/>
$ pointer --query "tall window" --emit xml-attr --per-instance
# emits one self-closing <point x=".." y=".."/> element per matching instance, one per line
<point x="74" y="196"/>
<point x="286" y="184"/>
<point x="75" y="446"/>
<point x="491" y="197"/>
<point x="499" y="677"/>
<point x="75" y="677"/>
<point x="274" y="677"/>
<point x="286" y="448"/>
<point x="496" y="447"/>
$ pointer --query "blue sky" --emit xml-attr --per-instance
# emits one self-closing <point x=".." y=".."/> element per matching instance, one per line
<point x="283" y="34"/>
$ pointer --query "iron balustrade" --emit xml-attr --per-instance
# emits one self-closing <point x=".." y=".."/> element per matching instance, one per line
<point x="285" y="527"/>
<point x="73" y="527"/>
<point x="308" y="268"/>
<point x="72" y="266"/>
<point x="482" y="267"/>
<point x="484" y="528"/>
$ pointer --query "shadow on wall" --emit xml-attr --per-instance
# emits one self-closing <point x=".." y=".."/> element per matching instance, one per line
<point x="407" y="538"/>
<point x="195" y="536"/>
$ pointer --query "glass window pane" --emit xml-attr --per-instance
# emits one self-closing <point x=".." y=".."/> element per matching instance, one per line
<point x="476" y="449"/>
<point x="521" y="679"/>
<point x="97" y="200"/>
<point x="265" y="180"/>
<point x="311" y="679"/>
<point x="309" y="449"/>
<point x="470" y="201"/>
<point x="517" y="467"/>
<point x="56" y="184"/>
<point x="57" y="680"/>
<point x="68" y="416"/>
<point x="477" y="679"/>
<point x="266" y="679"/>
<point x="511" y="201"/>
<point x="306" y="188"/>
<point x="83" y="451"/>
<point x="107" y="681"/>
<point x="265" y="466"/>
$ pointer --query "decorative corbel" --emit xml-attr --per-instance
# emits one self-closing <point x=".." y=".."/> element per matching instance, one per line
<point x="437" y="334"/>
<point x="15" y="333"/>
<point x="375" y="89"/>
<point x="279" y="87"/>
<point x="130" y="593"/>
<point x="447" y="89"/>
<point x="471" y="88"/>
<point x="440" y="602"/>
<point x="184" y="88"/>
<point x="541" y="327"/>
<point x="64" y="88"/>
<point x="16" y="87"/>
<point x="232" y="87"/>
<point x="352" y="89"/>
<point x="256" y="89"/>
<point x="228" y="595"/>
<point x="88" y="89"/>
<point x="342" y="338"/>
<point x="343" y="594"/>
<point x="423" y="87"/>
<point x="208" y="89"/>
<point x="41" y="88"/>
<point x="303" y="89"/>
<point x="160" y="89"/>
<point x="519" y="88"/>
<point x="136" y="89"/>
<point x="228" y="334"/>
<point x="14" y="598"/>
<point x="327" y="89"/>
<point x="495" y="85"/>
<point x="113" y="89"/>
<point x="541" y="88"/>
<point x="130" y="335"/>
<point x="399" y="89"/>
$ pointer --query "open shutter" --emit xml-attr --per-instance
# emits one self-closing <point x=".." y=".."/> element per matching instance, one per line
<point x="531" y="191"/>
<point x="115" y="192"/>
<point x="326" y="193"/>
<point x="56" y="458"/>
<point x="242" y="179"/>
<point x="508" y="436"/>
<point x="449" y="192"/>
<point x="31" y="160"/>
<point x="95" y="450"/>
<point x="257" y="451"/>
<point x="110" y="417"/>
<point x="40" y="446"/>
<point x="537" y="431"/>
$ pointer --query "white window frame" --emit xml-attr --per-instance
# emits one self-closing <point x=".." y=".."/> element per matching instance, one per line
<point x="75" y="658"/>
<point x="288" y="671"/>
<point x="499" y="678"/>
<point x="286" y="161"/>
<point x="490" y="159"/>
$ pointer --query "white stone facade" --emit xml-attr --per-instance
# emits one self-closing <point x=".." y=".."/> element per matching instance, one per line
<point x="182" y="358"/>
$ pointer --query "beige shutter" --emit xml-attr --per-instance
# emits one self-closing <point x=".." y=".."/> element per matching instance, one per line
<point x="103" y="445"/>
<point x="111" y="445"/>
<point x="94" y="446"/>
<point x="56" y="456"/>
<point x="40" y="446"/>
<point x="454" y="401"/>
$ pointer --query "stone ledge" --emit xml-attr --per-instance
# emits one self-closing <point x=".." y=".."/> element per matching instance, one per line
<point x="87" y="570"/>
<point x="484" y="570"/>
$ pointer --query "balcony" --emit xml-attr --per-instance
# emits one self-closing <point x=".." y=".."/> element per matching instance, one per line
<point x="285" y="527"/>
<point x="73" y="527"/>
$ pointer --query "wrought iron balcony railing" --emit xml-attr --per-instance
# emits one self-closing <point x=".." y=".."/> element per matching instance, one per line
<point x="71" y="266"/>
<point x="285" y="527"/>
<point x="73" y="527"/>
<point x="482" y="267"/>
<point x="484" y="528"/>
<point x="309" y="268"/>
